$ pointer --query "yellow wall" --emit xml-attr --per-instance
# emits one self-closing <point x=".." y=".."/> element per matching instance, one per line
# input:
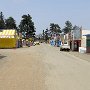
<point x="7" y="42"/>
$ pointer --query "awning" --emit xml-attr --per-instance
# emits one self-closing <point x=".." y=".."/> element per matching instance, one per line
<point x="7" y="33"/>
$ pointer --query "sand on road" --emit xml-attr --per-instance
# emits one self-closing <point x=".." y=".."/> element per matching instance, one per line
<point x="42" y="67"/>
<point x="21" y="69"/>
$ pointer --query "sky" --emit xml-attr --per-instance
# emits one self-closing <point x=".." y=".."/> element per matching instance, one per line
<point x="44" y="12"/>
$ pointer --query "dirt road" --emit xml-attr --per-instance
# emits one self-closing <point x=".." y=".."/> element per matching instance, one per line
<point x="42" y="68"/>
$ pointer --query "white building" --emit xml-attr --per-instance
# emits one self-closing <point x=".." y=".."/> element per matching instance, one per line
<point x="83" y="38"/>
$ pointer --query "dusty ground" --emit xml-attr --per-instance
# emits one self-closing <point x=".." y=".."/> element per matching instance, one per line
<point x="83" y="56"/>
<point x="43" y="68"/>
<point x="21" y="69"/>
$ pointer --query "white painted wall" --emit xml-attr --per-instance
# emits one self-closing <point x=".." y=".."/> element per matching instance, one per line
<point x="83" y="39"/>
<point x="84" y="32"/>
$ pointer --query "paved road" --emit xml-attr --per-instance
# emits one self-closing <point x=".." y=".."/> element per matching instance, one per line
<point x="42" y="68"/>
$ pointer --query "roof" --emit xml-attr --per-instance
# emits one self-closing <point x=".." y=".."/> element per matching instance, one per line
<point x="7" y="33"/>
<point x="87" y="35"/>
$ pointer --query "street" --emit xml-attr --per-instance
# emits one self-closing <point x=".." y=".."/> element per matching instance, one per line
<point x="42" y="67"/>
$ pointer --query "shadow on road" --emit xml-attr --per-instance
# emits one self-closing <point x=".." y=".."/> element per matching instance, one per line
<point x="2" y="56"/>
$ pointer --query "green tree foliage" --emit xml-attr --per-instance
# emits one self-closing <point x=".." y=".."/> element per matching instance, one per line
<point x="55" y="28"/>
<point x="10" y="23"/>
<point x="2" y="23"/>
<point x="68" y="27"/>
<point x="27" y="26"/>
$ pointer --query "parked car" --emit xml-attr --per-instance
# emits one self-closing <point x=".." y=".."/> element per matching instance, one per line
<point x="36" y="43"/>
<point x="65" y="47"/>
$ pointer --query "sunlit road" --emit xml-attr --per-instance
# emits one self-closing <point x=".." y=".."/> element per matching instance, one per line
<point x="42" y="67"/>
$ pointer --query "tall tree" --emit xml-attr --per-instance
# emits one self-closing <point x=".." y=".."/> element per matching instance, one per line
<point x="46" y="35"/>
<point x="27" y="26"/>
<point x="76" y="27"/>
<point x="10" y="23"/>
<point x="43" y="34"/>
<point x="55" y="28"/>
<point x="2" y="23"/>
<point x="68" y="27"/>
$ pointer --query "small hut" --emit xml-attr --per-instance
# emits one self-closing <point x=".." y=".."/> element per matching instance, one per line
<point x="8" y="38"/>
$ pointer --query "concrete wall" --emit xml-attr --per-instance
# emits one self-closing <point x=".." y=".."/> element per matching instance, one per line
<point x="84" y="32"/>
<point x="83" y="38"/>
<point x="88" y="50"/>
<point x="83" y="41"/>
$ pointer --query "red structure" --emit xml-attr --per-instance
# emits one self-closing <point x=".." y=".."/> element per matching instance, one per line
<point x="76" y="44"/>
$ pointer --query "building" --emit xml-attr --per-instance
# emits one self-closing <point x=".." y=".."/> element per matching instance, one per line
<point x="75" y="42"/>
<point x="87" y="43"/>
<point x="8" y="38"/>
<point x="85" y="40"/>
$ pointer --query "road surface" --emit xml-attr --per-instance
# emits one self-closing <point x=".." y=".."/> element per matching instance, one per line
<point x="42" y="67"/>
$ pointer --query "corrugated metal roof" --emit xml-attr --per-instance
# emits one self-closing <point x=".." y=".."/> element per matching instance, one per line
<point x="7" y="33"/>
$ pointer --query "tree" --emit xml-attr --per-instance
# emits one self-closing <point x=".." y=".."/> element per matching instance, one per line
<point x="52" y="27"/>
<point x="76" y="27"/>
<point x="27" y="26"/>
<point x="43" y="34"/>
<point x="10" y="23"/>
<point x="68" y="27"/>
<point x="2" y="23"/>
<point x="55" y="28"/>
<point x="46" y="35"/>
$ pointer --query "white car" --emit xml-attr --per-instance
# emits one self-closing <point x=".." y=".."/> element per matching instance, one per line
<point x="36" y="43"/>
<point x="65" y="47"/>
